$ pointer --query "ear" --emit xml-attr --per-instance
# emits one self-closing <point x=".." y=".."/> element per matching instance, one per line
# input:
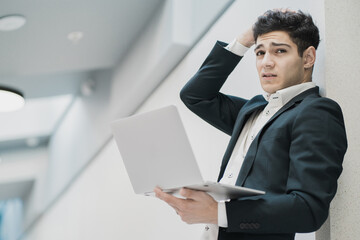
<point x="309" y="57"/>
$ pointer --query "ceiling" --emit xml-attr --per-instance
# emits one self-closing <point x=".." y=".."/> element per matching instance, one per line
<point x="48" y="68"/>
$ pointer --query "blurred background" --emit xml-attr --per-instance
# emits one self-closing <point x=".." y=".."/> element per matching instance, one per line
<point x="81" y="64"/>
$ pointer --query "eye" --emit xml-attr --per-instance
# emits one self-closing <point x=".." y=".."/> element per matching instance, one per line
<point x="259" y="53"/>
<point x="281" y="51"/>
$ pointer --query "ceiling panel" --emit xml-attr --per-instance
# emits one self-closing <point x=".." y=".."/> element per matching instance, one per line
<point x="41" y="46"/>
<point x="40" y="61"/>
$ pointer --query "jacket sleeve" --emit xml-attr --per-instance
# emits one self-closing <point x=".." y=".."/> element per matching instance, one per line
<point x="317" y="148"/>
<point x="201" y="94"/>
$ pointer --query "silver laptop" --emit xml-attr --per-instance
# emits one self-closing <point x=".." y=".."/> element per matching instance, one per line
<point x="156" y="152"/>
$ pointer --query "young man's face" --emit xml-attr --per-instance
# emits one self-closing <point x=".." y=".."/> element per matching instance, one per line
<point x="278" y="62"/>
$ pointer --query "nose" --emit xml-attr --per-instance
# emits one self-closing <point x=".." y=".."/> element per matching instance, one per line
<point x="267" y="61"/>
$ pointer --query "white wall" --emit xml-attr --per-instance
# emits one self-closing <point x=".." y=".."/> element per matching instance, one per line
<point x="343" y="85"/>
<point x="101" y="203"/>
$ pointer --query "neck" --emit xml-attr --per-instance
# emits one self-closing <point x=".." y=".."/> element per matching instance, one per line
<point x="307" y="75"/>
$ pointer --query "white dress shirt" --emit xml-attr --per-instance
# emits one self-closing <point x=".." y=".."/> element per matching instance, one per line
<point x="251" y="128"/>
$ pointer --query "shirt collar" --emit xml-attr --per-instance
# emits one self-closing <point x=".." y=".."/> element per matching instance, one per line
<point x="283" y="96"/>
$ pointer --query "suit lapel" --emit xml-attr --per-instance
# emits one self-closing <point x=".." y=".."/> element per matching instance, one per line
<point x="251" y="154"/>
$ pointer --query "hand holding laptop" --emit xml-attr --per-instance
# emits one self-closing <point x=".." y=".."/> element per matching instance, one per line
<point x="196" y="207"/>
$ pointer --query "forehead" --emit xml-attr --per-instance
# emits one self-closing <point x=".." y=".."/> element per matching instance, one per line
<point x="275" y="36"/>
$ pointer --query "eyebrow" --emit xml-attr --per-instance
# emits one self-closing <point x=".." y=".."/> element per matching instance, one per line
<point x="274" y="44"/>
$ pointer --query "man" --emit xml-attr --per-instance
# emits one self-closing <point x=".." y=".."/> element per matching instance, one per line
<point x="289" y="142"/>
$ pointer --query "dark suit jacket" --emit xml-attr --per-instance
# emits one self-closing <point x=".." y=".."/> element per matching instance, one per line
<point x="296" y="157"/>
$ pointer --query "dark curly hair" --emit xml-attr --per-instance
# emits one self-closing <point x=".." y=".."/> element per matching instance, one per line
<point x="300" y="27"/>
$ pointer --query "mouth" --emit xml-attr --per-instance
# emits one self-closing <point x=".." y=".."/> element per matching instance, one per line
<point x="268" y="75"/>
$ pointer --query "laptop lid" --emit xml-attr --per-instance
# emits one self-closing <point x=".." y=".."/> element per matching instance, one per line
<point x="156" y="151"/>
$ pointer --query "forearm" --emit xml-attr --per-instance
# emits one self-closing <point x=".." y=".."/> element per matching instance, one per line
<point x="208" y="80"/>
<point x="202" y="93"/>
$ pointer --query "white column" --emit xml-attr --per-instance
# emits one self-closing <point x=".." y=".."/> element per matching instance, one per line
<point x="343" y="85"/>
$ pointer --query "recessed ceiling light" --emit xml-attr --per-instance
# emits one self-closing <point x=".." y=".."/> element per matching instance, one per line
<point x="10" y="100"/>
<point x="11" y="22"/>
<point x="75" y="37"/>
